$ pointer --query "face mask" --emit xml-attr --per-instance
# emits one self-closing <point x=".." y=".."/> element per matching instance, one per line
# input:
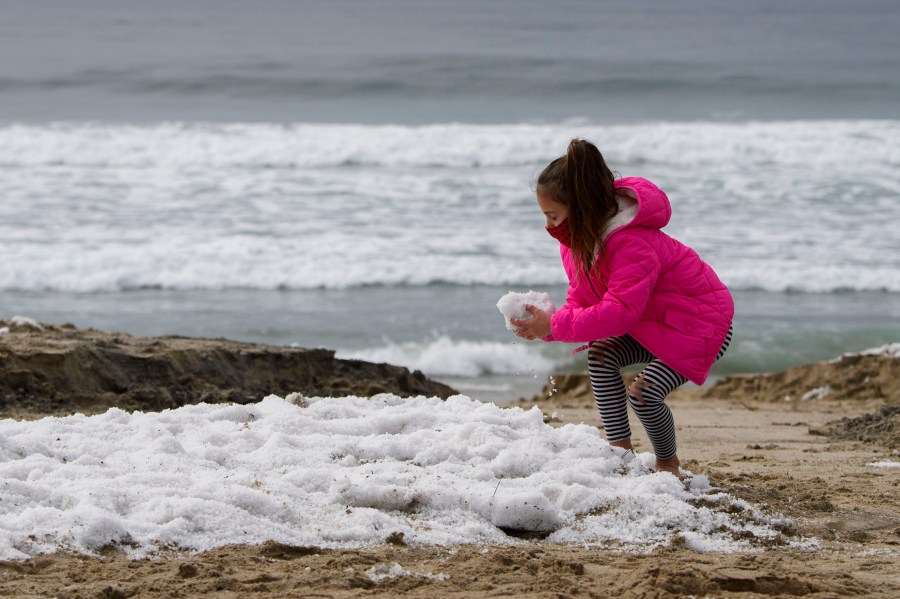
<point x="561" y="233"/>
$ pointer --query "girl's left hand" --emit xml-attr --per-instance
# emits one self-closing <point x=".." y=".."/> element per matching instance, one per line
<point x="533" y="328"/>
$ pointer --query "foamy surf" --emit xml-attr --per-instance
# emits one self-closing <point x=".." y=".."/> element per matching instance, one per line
<point x="94" y="207"/>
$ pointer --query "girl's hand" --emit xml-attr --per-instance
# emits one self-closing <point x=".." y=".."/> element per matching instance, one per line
<point x="533" y="328"/>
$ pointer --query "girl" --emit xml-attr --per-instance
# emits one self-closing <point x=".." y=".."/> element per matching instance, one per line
<point x="635" y="295"/>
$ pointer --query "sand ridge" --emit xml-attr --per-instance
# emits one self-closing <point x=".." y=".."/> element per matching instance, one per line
<point x="57" y="370"/>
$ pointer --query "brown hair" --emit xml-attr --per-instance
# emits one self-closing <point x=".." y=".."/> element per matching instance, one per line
<point x="582" y="181"/>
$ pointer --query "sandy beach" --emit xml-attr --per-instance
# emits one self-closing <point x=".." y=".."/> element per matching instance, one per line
<point x="821" y="459"/>
<point x="251" y="261"/>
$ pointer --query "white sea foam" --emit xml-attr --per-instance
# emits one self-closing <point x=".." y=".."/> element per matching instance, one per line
<point x="805" y="206"/>
<point x="889" y="350"/>
<point x="26" y="322"/>
<point x="812" y="145"/>
<point x="343" y="472"/>
<point x="443" y="356"/>
<point x="884" y="464"/>
<point x="385" y="572"/>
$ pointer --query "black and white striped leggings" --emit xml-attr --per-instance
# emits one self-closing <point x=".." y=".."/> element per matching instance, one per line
<point x="606" y="358"/>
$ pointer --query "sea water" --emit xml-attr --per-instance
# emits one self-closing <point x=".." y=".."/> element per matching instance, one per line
<point x="360" y="176"/>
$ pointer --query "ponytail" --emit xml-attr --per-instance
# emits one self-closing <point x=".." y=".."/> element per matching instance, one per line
<point x="582" y="181"/>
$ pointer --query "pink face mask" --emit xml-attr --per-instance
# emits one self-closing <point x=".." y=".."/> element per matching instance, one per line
<point x="561" y="233"/>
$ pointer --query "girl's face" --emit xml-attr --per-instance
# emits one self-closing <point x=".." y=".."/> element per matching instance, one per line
<point x="553" y="210"/>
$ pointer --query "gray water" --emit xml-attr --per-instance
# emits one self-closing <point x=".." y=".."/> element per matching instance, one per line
<point x="772" y="330"/>
<point x="413" y="61"/>
<point x="358" y="175"/>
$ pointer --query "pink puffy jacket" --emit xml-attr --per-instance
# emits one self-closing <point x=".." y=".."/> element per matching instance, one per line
<point x="649" y="286"/>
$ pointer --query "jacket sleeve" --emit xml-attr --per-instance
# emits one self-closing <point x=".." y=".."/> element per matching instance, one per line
<point x="571" y="275"/>
<point x="634" y="269"/>
<point x="570" y="301"/>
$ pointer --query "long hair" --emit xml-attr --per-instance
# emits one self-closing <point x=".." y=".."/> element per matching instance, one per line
<point x="581" y="181"/>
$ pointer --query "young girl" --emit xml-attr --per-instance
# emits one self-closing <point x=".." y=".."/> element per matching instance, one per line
<point x="635" y="295"/>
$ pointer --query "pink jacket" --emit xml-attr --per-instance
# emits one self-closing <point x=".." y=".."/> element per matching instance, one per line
<point x="650" y="286"/>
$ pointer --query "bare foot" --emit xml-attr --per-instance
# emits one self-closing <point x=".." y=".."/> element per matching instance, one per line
<point x="669" y="465"/>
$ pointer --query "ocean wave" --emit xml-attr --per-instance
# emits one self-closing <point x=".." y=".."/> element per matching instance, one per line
<point x="91" y="207"/>
<point x="820" y="144"/>
<point x="443" y="356"/>
<point x="115" y="270"/>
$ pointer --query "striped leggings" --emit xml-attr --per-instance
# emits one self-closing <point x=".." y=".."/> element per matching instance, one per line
<point x="647" y="394"/>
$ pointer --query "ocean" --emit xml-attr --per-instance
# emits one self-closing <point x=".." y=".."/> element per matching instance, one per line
<point x="359" y="175"/>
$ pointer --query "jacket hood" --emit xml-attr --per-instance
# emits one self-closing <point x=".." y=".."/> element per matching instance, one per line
<point x="642" y="204"/>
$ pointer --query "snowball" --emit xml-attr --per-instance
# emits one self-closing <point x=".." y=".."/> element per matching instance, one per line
<point x="512" y="305"/>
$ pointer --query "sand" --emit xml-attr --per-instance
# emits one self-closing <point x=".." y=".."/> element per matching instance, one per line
<point x="58" y="370"/>
<point x="809" y="460"/>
